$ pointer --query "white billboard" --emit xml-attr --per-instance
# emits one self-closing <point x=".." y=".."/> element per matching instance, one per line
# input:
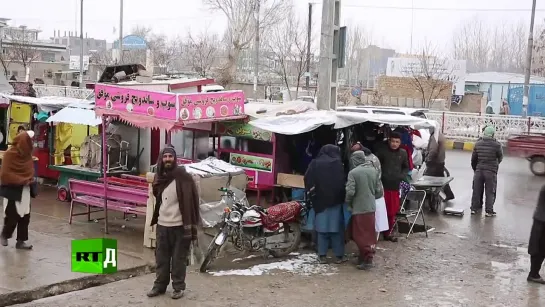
<point x="74" y="62"/>
<point x="451" y="70"/>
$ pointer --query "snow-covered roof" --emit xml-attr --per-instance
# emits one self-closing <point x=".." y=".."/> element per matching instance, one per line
<point x="501" y="77"/>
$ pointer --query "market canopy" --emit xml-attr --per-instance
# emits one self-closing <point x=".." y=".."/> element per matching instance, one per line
<point x="161" y="110"/>
<point x="48" y="103"/>
<point x="308" y="121"/>
<point x="77" y="116"/>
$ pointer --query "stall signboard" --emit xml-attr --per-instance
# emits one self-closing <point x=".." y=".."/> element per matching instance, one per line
<point x="138" y="102"/>
<point x="206" y="106"/>
<point x="244" y="130"/>
<point x="251" y="162"/>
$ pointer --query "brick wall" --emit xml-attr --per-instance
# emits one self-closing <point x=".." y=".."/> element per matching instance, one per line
<point x="471" y="103"/>
<point x="406" y="88"/>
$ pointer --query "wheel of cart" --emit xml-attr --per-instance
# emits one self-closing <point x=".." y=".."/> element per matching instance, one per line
<point x="63" y="194"/>
<point x="537" y="165"/>
<point x="530" y="146"/>
<point x="433" y="186"/>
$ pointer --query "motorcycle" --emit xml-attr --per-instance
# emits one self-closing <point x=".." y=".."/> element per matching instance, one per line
<point x="254" y="228"/>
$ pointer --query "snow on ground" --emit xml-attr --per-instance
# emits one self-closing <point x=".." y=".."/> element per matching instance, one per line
<point x="302" y="264"/>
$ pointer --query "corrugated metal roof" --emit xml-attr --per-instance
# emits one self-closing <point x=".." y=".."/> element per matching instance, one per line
<point x="501" y="77"/>
<point x="76" y="116"/>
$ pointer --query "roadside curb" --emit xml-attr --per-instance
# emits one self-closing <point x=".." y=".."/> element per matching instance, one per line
<point x="458" y="145"/>
<point x="25" y="296"/>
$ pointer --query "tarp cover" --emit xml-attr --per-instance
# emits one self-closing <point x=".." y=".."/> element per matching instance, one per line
<point x="48" y="103"/>
<point x="260" y="110"/>
<point x="296" y="123"/>
<point x="308" y="121"/>
<point x="75" y="116"/>
<point x="210" y="175"/>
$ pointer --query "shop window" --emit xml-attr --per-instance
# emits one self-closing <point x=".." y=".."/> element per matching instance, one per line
<point x="185" y="140"/>
<point x="249" y="145"/>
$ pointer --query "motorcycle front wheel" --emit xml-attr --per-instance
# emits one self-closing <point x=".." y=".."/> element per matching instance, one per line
<point x="213" y="250"/>
<point x="291" y="228"/>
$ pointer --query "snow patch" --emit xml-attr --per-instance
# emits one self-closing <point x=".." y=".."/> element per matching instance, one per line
<point x="245" y="258"/>
<point x="306" y="265"/>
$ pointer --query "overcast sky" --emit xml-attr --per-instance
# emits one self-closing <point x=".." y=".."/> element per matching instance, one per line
<point x="390" y="27"/>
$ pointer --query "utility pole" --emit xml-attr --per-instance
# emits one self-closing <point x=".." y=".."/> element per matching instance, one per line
<point x="412" y="25"/>
<point x="81" y="45"/>
<point x="529" y="62"/>
<point x="309" y="36"/>
<point x="329" y="50"/>
<point x="256" y="47"/>
<point x="120" y="31"/>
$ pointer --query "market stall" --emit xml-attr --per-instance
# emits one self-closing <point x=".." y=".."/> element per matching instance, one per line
<point x="32" y="113"/>
<point x="328" y="127"/>
<point x="156" y="110"/>
<point x="283" y="155"/>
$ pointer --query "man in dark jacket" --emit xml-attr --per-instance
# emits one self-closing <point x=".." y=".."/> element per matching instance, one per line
<point x="435" y="160"/>
<point x="394" y="162"/>
<point x="485" y="160"/>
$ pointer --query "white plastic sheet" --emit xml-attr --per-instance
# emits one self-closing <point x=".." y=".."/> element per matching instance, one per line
<point x="381" y="216"/>
<point x="310" y="120"/>
<point x="296" y="123"/>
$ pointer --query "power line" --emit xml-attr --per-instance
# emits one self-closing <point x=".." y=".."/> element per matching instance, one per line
<point x="446" y="9"/>
<point x="18" y="20"/>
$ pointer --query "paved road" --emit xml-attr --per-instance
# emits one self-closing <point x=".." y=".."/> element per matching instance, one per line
<point x="516" y="199"/>
<point x="468" y="261"/>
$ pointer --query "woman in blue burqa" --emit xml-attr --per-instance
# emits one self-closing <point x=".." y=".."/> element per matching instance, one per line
<point x="325" y="179"/>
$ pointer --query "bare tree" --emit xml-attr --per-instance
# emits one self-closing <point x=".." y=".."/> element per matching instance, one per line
<point x="430" y="75"/>
<point x="5" y="60"/>
<point x="201" y="52"/>
<point x="241" y="27"/>
<point x="472" y="43"/>
<point x="22" y="47"/>
<point x="165" y="51"/>
<point x="491" y="47"/>
<point x="286" y="49"/>
<point x="101" y="59"/>
<point x="538" y="58"/>
<point x="357" y="39"/>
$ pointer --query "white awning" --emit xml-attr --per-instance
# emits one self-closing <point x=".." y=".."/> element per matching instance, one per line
<point x="76" y="116"/>
<point x="49" y="103"/>
<point x="310" y="120"/>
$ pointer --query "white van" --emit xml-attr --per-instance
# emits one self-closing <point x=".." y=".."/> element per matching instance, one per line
<point x="386" y="110"/>
<point x="212" y="88"/>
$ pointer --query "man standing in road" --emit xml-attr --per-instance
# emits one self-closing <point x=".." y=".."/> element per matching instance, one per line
<point x="395" y="168"/>
<point x="435" y="160"/>
<point x="177" y="216"/>
<point x="485" y="160"/>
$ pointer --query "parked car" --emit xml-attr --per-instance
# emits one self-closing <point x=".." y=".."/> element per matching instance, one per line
<point x="307" y="99"/>
<point x="386" y="110"/>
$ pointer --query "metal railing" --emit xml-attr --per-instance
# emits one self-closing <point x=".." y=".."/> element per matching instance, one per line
<point x="468" y="126"/>
<point x="43" y="90"/>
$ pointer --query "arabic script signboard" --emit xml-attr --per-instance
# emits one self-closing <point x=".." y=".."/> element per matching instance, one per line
<point x="251" y="162"/>
<point x="139" y="102"/>
<point x="217" y="105"/>
<point x="245" y="130"/>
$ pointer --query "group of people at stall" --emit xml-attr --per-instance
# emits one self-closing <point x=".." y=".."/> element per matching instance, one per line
<point x="345" y="203"/>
